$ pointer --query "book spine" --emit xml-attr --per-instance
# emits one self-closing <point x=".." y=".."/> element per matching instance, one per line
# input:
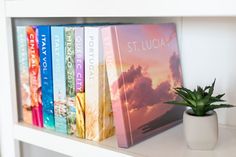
<point x="59" y="85"/>
<point x="44" y="35"/>
<point x="24" y="73"/>
<point x="112" y="59"/>
<point x="79" y="82"/>
<point x="34" y="76"/>
<point x="98" y="112"/>
<point x="93" y="123"/>
<point x="70" y="78"/>
<point x="108" y="128"/>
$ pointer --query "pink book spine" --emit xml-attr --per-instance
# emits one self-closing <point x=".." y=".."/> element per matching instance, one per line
<point x="119" y="111"/>
<point x="34" y="76"/>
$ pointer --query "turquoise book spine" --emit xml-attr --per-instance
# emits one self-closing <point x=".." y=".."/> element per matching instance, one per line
<point x="23" y="67"/>
<point x="59" y="85"/>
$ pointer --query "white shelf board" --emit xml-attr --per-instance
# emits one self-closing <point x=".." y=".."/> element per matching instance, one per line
<point x="167" y="144"/>
<point x="64" y="144"/>
<point x="119" y="8"/>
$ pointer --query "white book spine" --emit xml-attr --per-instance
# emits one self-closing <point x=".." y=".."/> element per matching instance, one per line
<point x="92" y="84"/>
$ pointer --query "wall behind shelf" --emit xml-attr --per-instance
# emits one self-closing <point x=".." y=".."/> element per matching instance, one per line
<point x="208" y="52"/>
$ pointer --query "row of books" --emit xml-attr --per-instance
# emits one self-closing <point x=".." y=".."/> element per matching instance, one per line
<point x="74" y="78"/>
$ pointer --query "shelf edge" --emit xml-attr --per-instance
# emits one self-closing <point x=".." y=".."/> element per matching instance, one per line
<point x="62" y="143"/>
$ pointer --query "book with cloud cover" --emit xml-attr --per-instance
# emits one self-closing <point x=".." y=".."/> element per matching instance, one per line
<point x="143" y="67"/>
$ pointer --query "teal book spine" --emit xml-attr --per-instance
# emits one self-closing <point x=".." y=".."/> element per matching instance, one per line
<point x="59" y="85"/>
<point x="70" y="78"/>
<point x="23" y="67"/>
<point x="44" y="38"/>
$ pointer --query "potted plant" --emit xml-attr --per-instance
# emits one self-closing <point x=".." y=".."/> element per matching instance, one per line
<point x="200" y="121"/>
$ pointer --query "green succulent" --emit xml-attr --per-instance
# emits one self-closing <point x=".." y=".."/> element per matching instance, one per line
<point x="200" y="99"/>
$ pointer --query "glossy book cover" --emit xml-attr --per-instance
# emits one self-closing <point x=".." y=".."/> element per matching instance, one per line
<point x="143" y="67"/>
<point x="44" y="37"/>
<point x="23" y="65"/>
<point x="34" y="76"/>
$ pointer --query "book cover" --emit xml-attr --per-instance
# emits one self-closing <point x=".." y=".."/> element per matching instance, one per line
<point x="79" y="82"/>
<point x="70" y="78"/>
<point x="22" y="52"/>
<point x="98" y="112"/>
<point x="59" y="84"/>
<point x="34" y="76"/>
<point x="44" y="37"/>
<point x="143" y="67"/>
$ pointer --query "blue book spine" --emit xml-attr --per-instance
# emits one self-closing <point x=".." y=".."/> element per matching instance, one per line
<point x="59" y="85"/>
<point x="44" y="39"/>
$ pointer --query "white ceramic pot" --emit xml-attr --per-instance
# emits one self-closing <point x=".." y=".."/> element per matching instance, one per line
<point x="201" y="132"/>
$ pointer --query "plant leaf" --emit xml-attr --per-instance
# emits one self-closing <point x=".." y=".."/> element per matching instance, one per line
<point x="220" y="95"/>
<point x="212" y="88"/>
<point x="200" y="90"/>
<point x="208" y="96"/>
<point x="183" y="93"/>
<point x="200" y="99"/>
<point x="190" y="93"/>
<point x="188" y="100"/>
<point x="206" y="88"/>
<point x="214" y="106"/>
<point x="185" y="96"/>
<point x="215" y="99"/>
<point x="178" y="103"/>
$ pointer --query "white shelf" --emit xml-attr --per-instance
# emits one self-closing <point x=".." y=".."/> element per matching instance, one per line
<point x="64" y="144"/>
<point x="167" y="144"/>
<point x="122" y="8"/>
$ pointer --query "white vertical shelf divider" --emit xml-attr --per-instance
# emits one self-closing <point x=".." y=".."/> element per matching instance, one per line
<point x="8" y="111"/>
